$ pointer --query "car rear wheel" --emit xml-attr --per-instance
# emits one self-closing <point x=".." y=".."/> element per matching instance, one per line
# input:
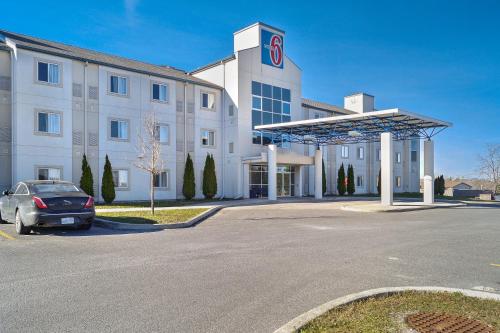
<point x="20" y="228"/>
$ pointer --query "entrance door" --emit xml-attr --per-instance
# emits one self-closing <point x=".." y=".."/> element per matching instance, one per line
<point x="285" y="181"/>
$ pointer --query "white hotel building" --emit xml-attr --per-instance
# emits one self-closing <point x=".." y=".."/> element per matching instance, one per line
<point x="58" y="102"/>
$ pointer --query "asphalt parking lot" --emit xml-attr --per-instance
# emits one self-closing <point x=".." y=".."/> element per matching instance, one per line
<point x="246" y="269"/>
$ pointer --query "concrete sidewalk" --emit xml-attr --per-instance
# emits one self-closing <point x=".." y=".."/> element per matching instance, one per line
<point x="400" y="206"/>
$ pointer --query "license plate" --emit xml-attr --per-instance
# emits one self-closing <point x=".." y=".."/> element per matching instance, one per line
<point x="67" y="220"/>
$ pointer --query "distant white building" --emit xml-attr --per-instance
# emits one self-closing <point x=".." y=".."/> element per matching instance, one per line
<point x="58" y="102"/>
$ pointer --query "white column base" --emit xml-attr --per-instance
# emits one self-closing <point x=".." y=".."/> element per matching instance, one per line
<point x="429" y="172"/>
<point x="318" y="174"/>
<point x="387" y="168"/>
<point x="271" y="172"/>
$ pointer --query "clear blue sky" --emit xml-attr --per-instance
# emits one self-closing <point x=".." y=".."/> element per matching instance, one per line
<point x="438" y="58"/>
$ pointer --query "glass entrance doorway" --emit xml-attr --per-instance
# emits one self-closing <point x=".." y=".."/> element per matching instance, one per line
<point x="285" y="181"/>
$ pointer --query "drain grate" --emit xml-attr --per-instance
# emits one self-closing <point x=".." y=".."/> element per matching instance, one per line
<point x="443" y="323"/>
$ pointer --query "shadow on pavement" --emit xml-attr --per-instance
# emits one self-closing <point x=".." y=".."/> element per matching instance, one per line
<point x="94" y="231"/>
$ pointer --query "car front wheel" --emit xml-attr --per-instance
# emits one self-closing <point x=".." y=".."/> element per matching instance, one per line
<point x="20" y="228"/>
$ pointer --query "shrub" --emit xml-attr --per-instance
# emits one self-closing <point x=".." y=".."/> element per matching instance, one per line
<point x="350" y="180"/>
<point x="189" y="186"/>
<point x="341" y="180"/>
<point x="87" y="180"/>
<point x="108" y="185"/>
<point x="209" y="178"/>
<point x="379" y="182"/>
<point x="323" y="176"/>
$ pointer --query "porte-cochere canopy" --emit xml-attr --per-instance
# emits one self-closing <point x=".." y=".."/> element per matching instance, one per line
<point x="356" y="128"/>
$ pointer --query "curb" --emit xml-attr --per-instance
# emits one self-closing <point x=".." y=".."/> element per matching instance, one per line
<point x="407" y="209"/>
<point x="298" y="322"/>
<point x="152" y="227"/>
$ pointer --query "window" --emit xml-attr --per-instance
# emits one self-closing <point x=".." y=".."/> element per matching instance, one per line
<point x="161" y="180"/>
<point x="398" y="181"/>
<point x="49" y="122"/>
<point x="119" y="129"/>
<point x="378" y="155"/>
<point x="398" y="157"/>
<point x="231" y="110"/>
<point x="48" y="173"/>
<point x="413" y="156"/>
<point x="316" y="116"/>
<point x="162" y="133"/>
<point x="48" y="72"/>
<point x="160" y="92"/>
<point x="345" y="152"/>
<point x="118" y="85"/>
<point x="208" y="138"/>
<point x="361" y="153"/>
<point x="359" y="181"/>
<point x="231" y="147"/>
<point x="207" y="100"/>
<point x="270" y="105"/>
<point x="120" y="178"/>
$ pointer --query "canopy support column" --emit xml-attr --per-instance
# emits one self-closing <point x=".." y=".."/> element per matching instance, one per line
<point x="386" y="167"/>
<point x="246" y="180"/>
<point x="299" y="178"/>
<point x="318" y="174"/>
<point x="271" y="172"/>
<point x="429" y="172"/>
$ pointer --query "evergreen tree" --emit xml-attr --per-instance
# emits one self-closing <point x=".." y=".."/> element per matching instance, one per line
<point x="209" y="178"/>
<point x="87" y="180"/>
<point x="379" y="182"/>
<point x="189" y="186"/>
<point x="350" y="180"/>
<point x="323" y="175"/>
<point x="108" y="185"/>
<point x="213" y="177"/>
<point x="441" y="185"/>
<point x="341" y="180"/>
<point x="437" y="183"/>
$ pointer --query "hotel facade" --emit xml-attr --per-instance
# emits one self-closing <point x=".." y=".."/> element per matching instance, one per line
<point x="58" y="102"/>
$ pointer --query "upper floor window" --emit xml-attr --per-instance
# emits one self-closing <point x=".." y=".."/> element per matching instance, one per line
<point x="361" y="153"/>
<point x="48" y="72"/>
<point x="231" y="110"/>
<point x="270" y="105"/>
<point x="118" y="129"/>
<point x="49" y="122"/>
<point x="208" y="138"/>
<point x="398" y="157"/>
<point x="160" y="92"/>
<point x="161" y="180"/>
<point x="208" y="100"/>
<point x="413" y="155"/>
<point x="162" y="133"/>
<point x="48" y="173"/>
<point x="118" y="85"/>
<point x="345" y="151"/>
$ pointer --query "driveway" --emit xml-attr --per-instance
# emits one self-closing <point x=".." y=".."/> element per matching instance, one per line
<point x="247" y="269"/>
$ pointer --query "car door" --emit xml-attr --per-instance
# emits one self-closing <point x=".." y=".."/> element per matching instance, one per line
<point x="12" y="202"/>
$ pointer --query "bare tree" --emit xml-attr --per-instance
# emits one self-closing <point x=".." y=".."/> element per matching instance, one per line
<point x="149" y="152"/>
<point x="489" y="165"/>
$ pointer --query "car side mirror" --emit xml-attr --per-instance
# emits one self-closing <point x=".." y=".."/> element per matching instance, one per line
<point x="6" y="192"/>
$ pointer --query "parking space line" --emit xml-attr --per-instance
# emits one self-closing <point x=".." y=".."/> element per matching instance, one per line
<point x="6" y="235"/>
<point x="496" y="265"/>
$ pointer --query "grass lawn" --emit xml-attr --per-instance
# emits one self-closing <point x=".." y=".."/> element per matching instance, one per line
<point x="387" y="314"/>
<point x="159" y="203"/>
<point x="160" y="217"/>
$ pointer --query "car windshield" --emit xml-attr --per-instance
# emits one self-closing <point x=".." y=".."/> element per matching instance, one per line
<point x="43" y="188"/>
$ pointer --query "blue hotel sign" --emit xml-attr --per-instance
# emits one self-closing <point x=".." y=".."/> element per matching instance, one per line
<point x="272" y="48"/>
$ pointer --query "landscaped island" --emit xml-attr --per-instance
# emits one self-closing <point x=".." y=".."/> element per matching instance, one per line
<point x="167" y="216"/>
